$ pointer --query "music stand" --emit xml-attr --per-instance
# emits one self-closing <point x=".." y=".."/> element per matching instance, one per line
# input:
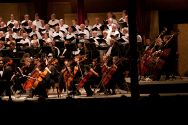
<point x="59" y="45"/>
<point x="32" y="51"/>
<point x="92" y="50"/>
<point x="5" y="53"/>
<point x="72" y="47"/>
<point x="46" y="49"/>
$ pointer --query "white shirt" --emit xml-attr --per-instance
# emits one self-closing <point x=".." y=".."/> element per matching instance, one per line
<point x="1" y="73"/>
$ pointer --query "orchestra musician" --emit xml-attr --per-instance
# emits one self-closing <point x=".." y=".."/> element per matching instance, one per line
<point x="92" y="77"/>
<point x="6" y="73"/>
<point x="113" y="76"/>
<point x="48" y="75"/>
<point x="66" y="77"/>
<point x="23" y="73"/>
<point x="78" y="70"/>
<point x="161" y="58"/>
<point x="169" y="55"/>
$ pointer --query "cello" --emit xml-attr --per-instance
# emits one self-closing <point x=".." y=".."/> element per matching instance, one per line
<point x="90" y="73"/>
<point x="31" y="79"/>
<point x="111" y="71"/>
<point x="40" y="77"/>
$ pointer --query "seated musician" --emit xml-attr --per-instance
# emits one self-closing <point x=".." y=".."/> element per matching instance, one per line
<point x="44" y="80"/>
<point x="114" y="76"/>
<point x="49" y="78"/>
<point x="169" y="55"/>
<point x="155" y="63"/>
<point x="65" y="78"/>
<point x="92" y="77"/>
<point x="78" y="70"/>
<point x="23" y="73"/>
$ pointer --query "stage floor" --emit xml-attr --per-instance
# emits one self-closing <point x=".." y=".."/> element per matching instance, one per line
<point x="146" y="88"/>
<point x="52" y="94"/>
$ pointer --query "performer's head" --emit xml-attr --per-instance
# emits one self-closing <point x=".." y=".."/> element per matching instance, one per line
<point x="1" y="62"/>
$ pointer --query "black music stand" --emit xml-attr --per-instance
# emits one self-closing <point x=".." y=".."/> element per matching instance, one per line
<point x="59" y="44"/>
<point x="92" y="51"/>
<point x="32" y="51"/>
<point x="46" y="49"/>
<point x="72" y="47"/>
<point x="5" y="53"/>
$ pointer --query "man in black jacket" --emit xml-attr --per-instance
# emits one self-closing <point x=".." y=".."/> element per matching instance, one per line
<point x="6" y="73"/>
